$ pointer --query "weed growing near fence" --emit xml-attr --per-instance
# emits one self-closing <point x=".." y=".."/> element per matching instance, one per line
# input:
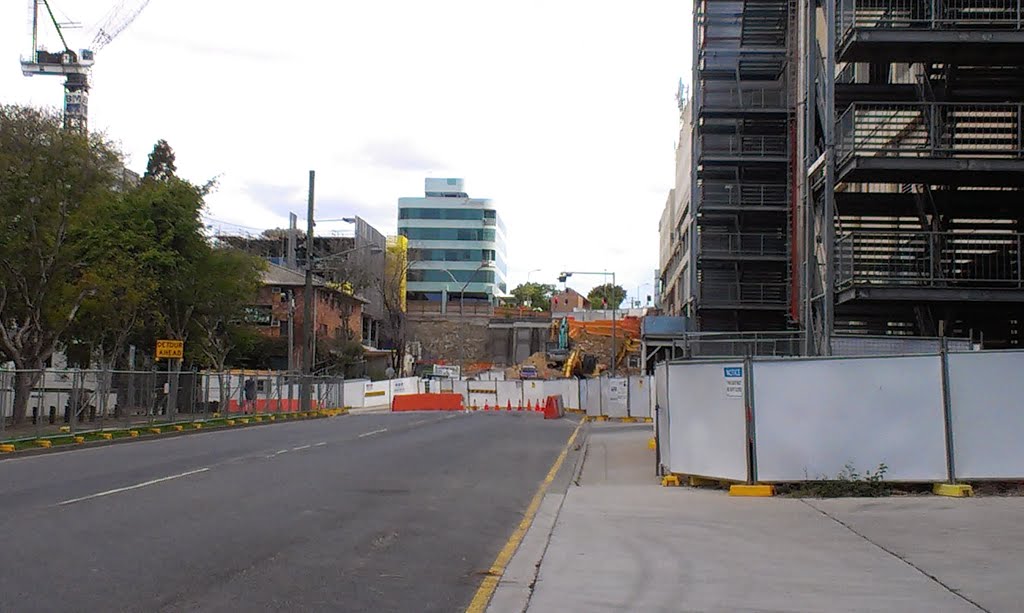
<point x="848" y="483"/>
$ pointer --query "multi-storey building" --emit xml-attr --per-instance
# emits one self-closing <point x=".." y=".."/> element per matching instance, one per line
<point x="676" y="224"/>
<point x="738" y="224"/>
<point x="914" y="155"/>
<point x="456" y="245"/>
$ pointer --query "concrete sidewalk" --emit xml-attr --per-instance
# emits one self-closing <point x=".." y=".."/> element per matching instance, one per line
<point x="621" y="542"/>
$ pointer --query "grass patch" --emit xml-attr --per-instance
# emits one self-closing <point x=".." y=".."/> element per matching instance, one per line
<point x="849" y="483"/>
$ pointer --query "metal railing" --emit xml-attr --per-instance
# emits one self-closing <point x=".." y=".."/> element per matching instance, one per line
<point x="742" y="244"/>
<point x="715" y="293"/>
<point x="91" y="400"/>
<point x="930" y="259"/>
<point x="744" y="98"/>
<point x="930" y="129"/>
<point x="713" y="194"/>
<point x="928" y="15"/>
<point x="739" y="344"/>
<point x="743" y="145"/>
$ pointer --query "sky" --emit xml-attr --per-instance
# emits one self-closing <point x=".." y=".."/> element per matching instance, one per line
<point x="563" y="112"/>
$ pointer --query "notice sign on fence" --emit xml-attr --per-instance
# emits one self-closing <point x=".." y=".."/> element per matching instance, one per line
<point x="170" y="350"/>
<point x="733" y="381"/>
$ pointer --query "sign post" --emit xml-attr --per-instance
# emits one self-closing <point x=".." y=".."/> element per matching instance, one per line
<point x="173" y="352"/>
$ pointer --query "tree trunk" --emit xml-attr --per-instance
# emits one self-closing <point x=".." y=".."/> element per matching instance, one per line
<point x="24" y="381"/>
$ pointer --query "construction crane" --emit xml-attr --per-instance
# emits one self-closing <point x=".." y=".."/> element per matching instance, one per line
<point x="74" y="66"/>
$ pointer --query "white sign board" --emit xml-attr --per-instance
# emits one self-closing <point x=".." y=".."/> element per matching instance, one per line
<point x="733" y="378"/>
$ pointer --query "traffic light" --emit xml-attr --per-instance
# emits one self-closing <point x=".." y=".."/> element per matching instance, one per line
<point x="563" y="277"/>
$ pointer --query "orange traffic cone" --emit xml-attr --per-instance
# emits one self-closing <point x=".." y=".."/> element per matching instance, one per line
<point x="509" y="406"/>
<point x="529" y="405"/>
<point x="519" y="405"/>
<point x="487" y="406"/>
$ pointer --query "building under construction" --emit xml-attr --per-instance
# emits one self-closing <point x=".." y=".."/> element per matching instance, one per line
<point x="915" y="162"/>
<point x="856" y="171"/>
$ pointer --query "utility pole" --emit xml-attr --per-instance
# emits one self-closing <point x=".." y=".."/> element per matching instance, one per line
<point x="308" y="326"/>
<point x="615" y="354"/>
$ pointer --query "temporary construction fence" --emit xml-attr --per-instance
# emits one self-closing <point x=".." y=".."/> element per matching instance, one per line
<point x="80" y="400"/>
<point x="379" y="394"/>
<point x="605" y="396"/>
<point x="924" y="418"/>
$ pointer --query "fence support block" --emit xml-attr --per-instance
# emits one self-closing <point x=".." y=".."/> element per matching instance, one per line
<point x="953" y="490"/>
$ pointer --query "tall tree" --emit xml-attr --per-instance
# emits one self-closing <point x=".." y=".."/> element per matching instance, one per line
<point x="51" y="183"/>
<point x="230" y="282"/>
<point x="161" y="162"/>
<point x="394" y="329"/>
<point x="606" y="296"/>
<point x="533" y="295"/>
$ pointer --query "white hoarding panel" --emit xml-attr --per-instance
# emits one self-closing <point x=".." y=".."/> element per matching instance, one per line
<point x="377" y="394"/>
<point x="483" y="394"/>
<point x="568" y="388"/>
<point x="402" y="387"/>
<point x="661" y="412"/>
<point x="815" y="417"/>
<point x="462" y="387"/>
<point x="640" y="396"/>
<point x="986" y="393"/>
<point x="707" y="423"/>
<point x="353" y="393"/>
<point x="533" y="392"/>
<point x="615" y="396"/>
<point x="590" y="391"/>
<point x="510" y="393"/>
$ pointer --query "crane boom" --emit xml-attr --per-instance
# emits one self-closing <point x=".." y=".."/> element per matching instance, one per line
<point x="117" y="19"/>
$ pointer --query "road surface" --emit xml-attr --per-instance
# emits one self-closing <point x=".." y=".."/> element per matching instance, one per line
<point x="376" y="512"/>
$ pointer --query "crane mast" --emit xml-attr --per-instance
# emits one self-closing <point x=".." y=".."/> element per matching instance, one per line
<point x="74" y="66"/>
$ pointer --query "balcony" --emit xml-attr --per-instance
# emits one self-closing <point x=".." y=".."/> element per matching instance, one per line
<point x="743" y="197"/>
<point x="743" y="295"/>
<point x="970" y="144"/>
<point x="968" y="31"/>
<point x="742" y="246"/>
<point x="731" y="148"/>
<point x="930" y="266"/>
<point x="729" y="101"/>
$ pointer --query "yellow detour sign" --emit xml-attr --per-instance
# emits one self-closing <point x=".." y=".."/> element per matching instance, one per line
<point x="173" y="350"/>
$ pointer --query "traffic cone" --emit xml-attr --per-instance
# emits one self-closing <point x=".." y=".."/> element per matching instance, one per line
<point x="519" y="404"/>
<point x="509" y="407"/>
<point x="529" y="405"/>
<point x="487" y="406"/>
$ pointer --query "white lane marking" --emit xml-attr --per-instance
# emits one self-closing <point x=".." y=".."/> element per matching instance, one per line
<point x="321" y="444"/>
<point x="301" y="447"/>
<point x="282" y="451"/>
<point x="418" y="422"/>
<point x="365" y="434"/>
<point x="132" y="487"/>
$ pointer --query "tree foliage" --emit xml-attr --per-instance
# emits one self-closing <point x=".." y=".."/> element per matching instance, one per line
<point x="606" y="296"/>
<point x="533" y="295"/>
<point x="161" y="162"/>
<point x="90" y="263"/>
<point x="52" y="181"/>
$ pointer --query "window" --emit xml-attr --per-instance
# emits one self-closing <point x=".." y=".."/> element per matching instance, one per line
<point x="448" y="234"/>
<point x="461" y="276"/>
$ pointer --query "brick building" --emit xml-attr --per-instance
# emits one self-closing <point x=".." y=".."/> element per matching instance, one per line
<point x="337" y="315"/>
<point x="567" y="301"/>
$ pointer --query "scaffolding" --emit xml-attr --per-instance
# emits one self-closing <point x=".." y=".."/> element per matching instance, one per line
<point x="912" y="169"/>
<point x="743" y="156"/>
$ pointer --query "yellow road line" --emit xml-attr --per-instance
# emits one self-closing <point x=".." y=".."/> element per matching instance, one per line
<point x="490" y="583"/>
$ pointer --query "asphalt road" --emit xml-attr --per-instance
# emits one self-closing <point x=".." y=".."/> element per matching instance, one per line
<point x="361" y="513"/>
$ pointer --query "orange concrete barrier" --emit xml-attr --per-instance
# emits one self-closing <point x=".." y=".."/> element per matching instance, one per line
<point x="553" y="408"/>
<point x="427" y="402"/>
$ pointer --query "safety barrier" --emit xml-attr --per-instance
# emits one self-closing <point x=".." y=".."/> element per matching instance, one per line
<point x="909" y="418"/>
<point x="427" y="402"/>
<point x="381" y="393"/>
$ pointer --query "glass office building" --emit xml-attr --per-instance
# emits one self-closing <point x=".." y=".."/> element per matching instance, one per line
<point x="456" y="244"/>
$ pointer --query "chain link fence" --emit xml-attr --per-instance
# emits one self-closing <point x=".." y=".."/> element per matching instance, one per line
<point x="51" y="402"/>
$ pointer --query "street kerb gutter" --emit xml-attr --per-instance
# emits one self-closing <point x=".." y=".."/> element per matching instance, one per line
<point x="490" y="583"/>
<point x="24" y="453"/>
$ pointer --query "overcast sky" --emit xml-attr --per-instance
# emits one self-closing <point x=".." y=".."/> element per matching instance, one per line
<point x="562" y="112"/>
